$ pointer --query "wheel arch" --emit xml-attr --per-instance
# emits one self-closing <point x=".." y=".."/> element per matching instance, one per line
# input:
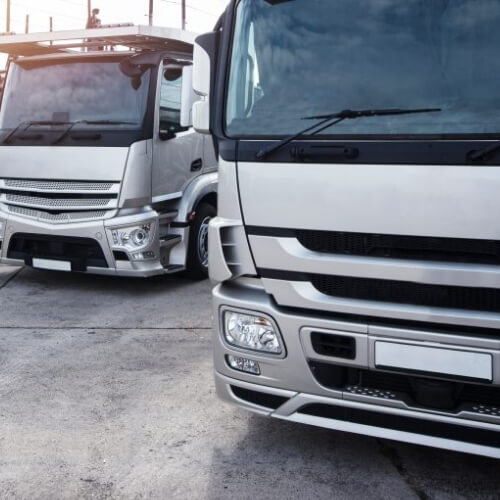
<point x="201" y="189"/>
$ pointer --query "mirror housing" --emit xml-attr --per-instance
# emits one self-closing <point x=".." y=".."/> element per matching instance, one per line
<point x="166" y="135"/>
<point x="205" y="50"/>
<point x="188" y="97"/>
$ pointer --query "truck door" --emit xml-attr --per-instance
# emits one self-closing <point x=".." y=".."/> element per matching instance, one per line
<point x="177" y="151"/>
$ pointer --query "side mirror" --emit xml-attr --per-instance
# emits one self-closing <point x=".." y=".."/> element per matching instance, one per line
<point x="188" y="97"/>
<point x="166" y="135"/>
<point x="205" y="51"/>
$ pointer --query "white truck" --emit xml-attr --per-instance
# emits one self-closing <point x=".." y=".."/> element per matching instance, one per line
<point x="100" y="168"/>
<point x="357" y="243"/>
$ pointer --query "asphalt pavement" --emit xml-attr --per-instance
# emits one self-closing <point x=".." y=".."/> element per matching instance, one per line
<point x="106" y="391"/>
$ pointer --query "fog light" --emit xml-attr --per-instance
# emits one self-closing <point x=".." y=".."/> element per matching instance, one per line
<point x="243" y="365"/>
<point x="251" y="332"/>
<point x="143" y="255"/>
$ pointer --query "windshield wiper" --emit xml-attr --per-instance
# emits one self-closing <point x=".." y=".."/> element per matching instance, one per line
<point x="483" y="153"/>
<point x="328" y="120"/>
<point x="108" y="122"/>
<point x="26" y="126"/>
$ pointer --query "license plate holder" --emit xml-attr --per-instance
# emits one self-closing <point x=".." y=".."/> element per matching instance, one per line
<point x="436" y="361"/>
<point x="51" y="265"/>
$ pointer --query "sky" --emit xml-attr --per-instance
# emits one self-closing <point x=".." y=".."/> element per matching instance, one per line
<point x="72" y="14"/>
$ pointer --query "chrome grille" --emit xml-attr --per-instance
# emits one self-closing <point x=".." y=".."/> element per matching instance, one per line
<point x="59" y="201"/>
<point x="58" y="185"/>
<point x="59" y="217"/>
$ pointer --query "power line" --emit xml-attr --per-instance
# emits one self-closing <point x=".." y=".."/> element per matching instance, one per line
<point x="190" y="7"/>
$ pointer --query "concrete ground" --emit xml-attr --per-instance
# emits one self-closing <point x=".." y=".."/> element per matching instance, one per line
<point x="106" y="391"/>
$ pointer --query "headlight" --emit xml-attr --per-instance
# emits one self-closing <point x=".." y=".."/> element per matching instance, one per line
<point x="132" y="238"/>
<point x="251" y="332"/>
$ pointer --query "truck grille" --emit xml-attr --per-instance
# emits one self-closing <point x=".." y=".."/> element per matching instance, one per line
<point x="29" y="185"/>
<point x="403" y="292"/>
<point x="59" y="201"/>
<point x="471" y="251"/>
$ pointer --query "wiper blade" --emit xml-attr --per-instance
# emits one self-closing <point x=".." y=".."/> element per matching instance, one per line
<point x="27" y="125"/>
<point x="108" y="122"/>
<point x="349" y="113"/>
<point x="485" y="152"/>
<point x="330" y="119"/>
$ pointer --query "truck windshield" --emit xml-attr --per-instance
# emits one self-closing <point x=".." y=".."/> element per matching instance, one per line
<point x="299" y="58"/>
<point x="91" y="91"/>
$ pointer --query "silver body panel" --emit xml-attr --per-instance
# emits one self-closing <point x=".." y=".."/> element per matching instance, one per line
<point x="446" y="202"/>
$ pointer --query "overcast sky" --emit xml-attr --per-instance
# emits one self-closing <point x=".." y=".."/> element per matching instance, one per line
<point x="71" y="14"/>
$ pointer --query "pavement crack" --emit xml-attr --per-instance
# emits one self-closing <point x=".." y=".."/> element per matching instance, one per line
<point x="397" y="462"/>
<point x="11" y="278"/>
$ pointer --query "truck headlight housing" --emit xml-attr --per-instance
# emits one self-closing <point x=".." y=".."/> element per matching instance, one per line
<point x="250" y="331"/>
<point x="134" y="237"/>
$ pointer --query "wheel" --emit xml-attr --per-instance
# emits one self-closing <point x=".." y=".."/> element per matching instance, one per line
<point x="197" y="258"/>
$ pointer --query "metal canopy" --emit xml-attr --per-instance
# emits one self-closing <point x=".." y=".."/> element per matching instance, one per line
<point x="137" y="38"/>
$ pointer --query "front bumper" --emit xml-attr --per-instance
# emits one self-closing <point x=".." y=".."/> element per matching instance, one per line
<point x="288" y="389"/>
<point x="97" y="232"/>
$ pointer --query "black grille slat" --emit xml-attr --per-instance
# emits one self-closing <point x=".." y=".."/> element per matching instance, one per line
<point x="402" y="292"/>
<point x="471" y="251"/>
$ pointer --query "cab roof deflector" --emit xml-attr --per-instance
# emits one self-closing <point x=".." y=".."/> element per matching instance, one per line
<point x="128" y="37"/>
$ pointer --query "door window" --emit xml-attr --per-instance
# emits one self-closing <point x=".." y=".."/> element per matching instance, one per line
<point x="170" y="100"/>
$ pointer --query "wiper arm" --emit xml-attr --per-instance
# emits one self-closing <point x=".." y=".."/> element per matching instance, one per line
<point x="27" y="125"/>
<point x="108" y="122"/>
<point x="483" y="153"/>
<point x="328" y="120"/>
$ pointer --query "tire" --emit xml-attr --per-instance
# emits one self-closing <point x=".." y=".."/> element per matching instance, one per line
<point x="197" y="257"/>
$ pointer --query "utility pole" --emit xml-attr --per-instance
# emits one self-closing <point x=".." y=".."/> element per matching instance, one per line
<point x="7" y="22"/>
<point x="27" y="25"/>
<point x="89" y="9"/>
<point x="183" y="14"/>
<point x="151" y="2"/>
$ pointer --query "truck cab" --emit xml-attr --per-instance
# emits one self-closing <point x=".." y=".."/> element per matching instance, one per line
<point x="356" y="249"/>
<point x="100" y="168"/>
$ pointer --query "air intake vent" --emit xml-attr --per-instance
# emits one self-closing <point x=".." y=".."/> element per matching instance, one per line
<point x="402" y="292"/>
<point x="336" y="346"/>
<point x="471" y="251"/>
<point x="264" y="399"/>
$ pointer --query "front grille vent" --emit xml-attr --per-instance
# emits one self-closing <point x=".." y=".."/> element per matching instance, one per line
<point x="336" y="346"/>
<point x="59" y="201"/>
<point x="472" y="251"/>
<point x="58" y="185"/>
<point x="56" y="202"/>
<point x="57" y="217"/>
<point x="402" y="292"/>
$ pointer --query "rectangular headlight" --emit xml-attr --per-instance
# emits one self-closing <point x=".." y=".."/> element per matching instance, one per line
<point x="250" y="331"/>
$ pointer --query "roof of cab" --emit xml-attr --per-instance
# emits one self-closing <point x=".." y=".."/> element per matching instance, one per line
<point x="126" y="37"/>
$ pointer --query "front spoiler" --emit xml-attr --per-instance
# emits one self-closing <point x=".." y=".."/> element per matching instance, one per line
<point x="296" y="401"/>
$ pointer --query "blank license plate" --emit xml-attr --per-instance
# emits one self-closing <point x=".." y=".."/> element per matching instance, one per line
<point x="437" y="360"/>
<point x="52" y="265"/>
